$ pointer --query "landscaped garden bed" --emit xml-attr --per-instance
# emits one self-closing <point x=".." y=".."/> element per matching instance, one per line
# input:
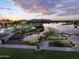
<point x="30" y="43"/>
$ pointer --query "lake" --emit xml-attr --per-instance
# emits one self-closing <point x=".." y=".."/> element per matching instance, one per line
<point x="65" y="29"/>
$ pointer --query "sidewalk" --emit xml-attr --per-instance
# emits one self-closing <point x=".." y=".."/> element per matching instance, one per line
<point x="42" y="48"/>
<point x="17" y="46"/>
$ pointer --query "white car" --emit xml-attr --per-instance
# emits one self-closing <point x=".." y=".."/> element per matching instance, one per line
<point x="2" y="30"/>
<point x="6" y="30"/>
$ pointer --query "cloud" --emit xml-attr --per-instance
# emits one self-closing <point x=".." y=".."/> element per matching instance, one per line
<point x="71" y="7"/>
<point x="8" y="8"/>
<point x="2" y="8"/>
<point x="56" y="7"/>
<point x="37" y="6"/>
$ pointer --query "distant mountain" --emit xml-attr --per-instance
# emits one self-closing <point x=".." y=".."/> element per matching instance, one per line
<point x="41" y="20"/>
<point x="49" y="20"/>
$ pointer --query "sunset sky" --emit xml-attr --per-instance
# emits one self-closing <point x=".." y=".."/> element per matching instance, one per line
<point x="29" y="9"/>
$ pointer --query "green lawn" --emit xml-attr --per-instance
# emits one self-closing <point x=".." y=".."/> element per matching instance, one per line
<point x="31" y="54"/>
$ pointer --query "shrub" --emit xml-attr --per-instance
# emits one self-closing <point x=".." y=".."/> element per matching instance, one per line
<point x="30" y="43"/>
<point x="53" y="33"/>
<point x="59" y="43"/>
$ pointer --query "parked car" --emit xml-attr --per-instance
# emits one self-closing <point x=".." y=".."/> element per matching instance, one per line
<point x="6" y="30"/>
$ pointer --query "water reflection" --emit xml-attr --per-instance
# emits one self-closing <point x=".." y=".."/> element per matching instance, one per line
<point x="75" y="39"/>
<point x="65" y="29"/>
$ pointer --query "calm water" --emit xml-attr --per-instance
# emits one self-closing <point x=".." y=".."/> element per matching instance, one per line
<point x="66" y="29"/>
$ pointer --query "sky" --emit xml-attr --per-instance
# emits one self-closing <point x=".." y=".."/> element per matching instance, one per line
<point x="48" y="9"/>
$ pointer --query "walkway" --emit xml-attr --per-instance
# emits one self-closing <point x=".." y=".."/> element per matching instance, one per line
<point x="17" y="46"/>
<point x="42" y="48"/>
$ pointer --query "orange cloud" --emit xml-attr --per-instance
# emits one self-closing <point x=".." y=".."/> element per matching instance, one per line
<point x="37" y="6"/>
<point x="29" y="0"/>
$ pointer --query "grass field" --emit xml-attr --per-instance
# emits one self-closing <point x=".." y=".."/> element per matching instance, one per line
<point x="31" y="54"/>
